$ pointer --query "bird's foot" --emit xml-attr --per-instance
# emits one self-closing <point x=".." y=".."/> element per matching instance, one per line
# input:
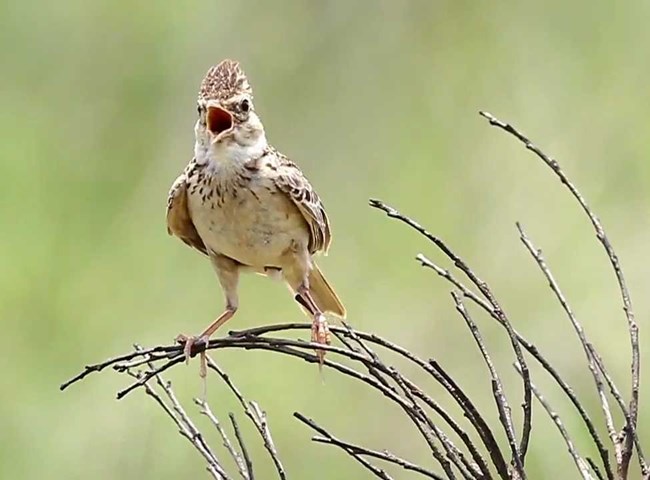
<point x="192" y="345"/>
<point x="320" y="333"/>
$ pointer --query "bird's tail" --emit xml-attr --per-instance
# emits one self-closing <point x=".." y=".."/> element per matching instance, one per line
<point x="323" y="294"/>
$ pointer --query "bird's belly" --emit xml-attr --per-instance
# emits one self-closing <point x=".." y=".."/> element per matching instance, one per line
<point x="253" y="229"/>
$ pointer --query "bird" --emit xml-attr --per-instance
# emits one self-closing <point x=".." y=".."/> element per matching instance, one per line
<point x="249" y="208"/>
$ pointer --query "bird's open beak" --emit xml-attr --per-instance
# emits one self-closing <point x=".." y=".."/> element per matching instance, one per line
<point x="219" y="122"/>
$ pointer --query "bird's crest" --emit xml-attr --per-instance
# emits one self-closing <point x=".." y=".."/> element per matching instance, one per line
<point x="224" y="81"/>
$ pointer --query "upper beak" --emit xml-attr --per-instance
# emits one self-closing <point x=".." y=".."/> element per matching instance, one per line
<point x="219" y="121"/>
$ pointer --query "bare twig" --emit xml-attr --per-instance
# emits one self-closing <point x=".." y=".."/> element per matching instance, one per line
<point x="497" y="388"/>
<point x="98" y="367"/>
<point x="586" y="345"/>
<point x="430" y="431"/>
<point x="616" y="394"/>
<point x="519" y="451"/>
<point x="253" y="338"/>
<point x="204" y="408"/>
<point x="189" y="430"/>
<point x="414" y="390"/>
<point x="595" y="468"/>
<point x="364" y="348"/>
<point x="148" y="375"/>
<point x="627" y="432"/>
<point x="583" y="468"/>
<point x="536" y="354"/>
<point x="378" y="472"/>
<point x="185" y="425"/>
<point x="383" y="455"/>
<point x="242" y="445"/>
<point x="417" y="415"/>
<point x="257" y="416"/>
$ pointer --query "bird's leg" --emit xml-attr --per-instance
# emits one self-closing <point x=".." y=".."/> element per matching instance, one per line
<point x="296" y="266"/>
<point x="193" y="342"/>
<point x="320" y="332"/>
<point x="227" y="271"/>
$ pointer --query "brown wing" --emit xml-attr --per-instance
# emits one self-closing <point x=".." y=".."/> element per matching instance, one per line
<point x="179" y="222"/>
<point x="291" y="181"/>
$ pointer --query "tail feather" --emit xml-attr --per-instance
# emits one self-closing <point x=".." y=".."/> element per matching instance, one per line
<point x="323" y="294"/>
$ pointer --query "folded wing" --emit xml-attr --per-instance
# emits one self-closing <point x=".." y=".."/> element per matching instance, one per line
<point x="179" y="222"/>
<point x="292" y="182"/>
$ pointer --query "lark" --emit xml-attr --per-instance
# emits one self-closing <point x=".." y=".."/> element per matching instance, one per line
<point x="248" y="208"/>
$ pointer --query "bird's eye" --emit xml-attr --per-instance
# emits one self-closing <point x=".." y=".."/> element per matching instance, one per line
<point x="245" y="105"/>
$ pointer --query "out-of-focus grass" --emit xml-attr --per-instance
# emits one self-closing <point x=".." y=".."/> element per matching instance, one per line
<point x="373" y="99"/>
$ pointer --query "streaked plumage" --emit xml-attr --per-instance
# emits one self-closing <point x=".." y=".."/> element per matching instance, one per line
<point x="247" y="206"/>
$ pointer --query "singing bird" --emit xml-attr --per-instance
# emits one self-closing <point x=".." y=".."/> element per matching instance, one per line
<point x="247" y="207"/>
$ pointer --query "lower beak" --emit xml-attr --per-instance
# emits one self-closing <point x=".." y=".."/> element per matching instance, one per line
<point x="219" y="122"/>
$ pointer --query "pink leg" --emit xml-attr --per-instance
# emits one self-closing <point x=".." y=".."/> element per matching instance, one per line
<point x="204" y="337"/>
<point x="320" y="332"/>
<point x="227" y="271"/>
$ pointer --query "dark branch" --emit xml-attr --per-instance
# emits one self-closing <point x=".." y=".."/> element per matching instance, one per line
<point x="537" y="355"/>
<point x="613" y="259"/>
<point x="257" y="416"/>
<point x="378" y="472"/>
<point x="581" y="464"/>
<point x="242" y="446"/>
<point x="497" y="388"/>
<point x="519" y="452"/>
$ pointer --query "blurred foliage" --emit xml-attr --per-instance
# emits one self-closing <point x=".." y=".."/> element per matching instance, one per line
<point x="372" y="99"/>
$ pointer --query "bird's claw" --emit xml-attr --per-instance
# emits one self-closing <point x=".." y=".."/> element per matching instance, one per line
<point x="192" y="345"/>
<point x="320" y="333"/>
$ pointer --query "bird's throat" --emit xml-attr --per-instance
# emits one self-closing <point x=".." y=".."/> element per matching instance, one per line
<point x="229" y="155"/>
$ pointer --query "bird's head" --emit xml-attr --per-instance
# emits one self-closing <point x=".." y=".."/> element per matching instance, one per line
<point x="227" y="117"/>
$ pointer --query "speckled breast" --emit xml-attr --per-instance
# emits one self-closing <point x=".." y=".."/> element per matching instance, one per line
<point x="247" y="219"/>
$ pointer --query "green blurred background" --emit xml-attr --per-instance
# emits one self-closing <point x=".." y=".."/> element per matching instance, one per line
<point x="372" y="99"/>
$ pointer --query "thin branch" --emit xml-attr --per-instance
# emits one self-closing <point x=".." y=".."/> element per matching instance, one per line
<point x="429" y="430"/>
<point x="595" y="468"/>
<point x="277" y="345"/>
<point x="190" y="430"/>
<point x="536" y="354"/>
<point x="378" y="472"/>
<point x="364" y="348"/>
<point x="577" y="327"/>
<point x="503" y="408"/>
<point x="417" y="414"/>
<point x="520" y="451"/>
<point x="417" y="392"/>
<point x="98" y="367"/>
<point x="479" y="468"/>
<point x="383" y="455"/>
<point x="613" y="259"/>
<point x="240" y="440"/>
<point x="149" y="375"/>
<point x="257" y="416"/>
<point x="204" y="409"/>
<point x="179" y="417"/>
<point x="211" y="467"/>
<point x="616" y="394"/>
<point x="280" y="346"/>
<point x="253" y="339"/>
<point x="581" y="464"/>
